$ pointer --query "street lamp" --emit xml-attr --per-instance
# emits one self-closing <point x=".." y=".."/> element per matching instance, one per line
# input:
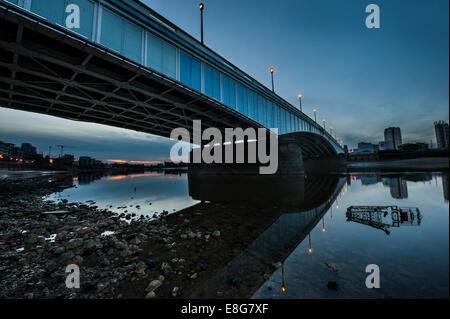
<point x="324" y="121"/>
<point x="271" y="73"/>
<point x="300" y="99"/>
<point x="331" y="131"/>
<point x="201" y="6"/>
<point x="315" y="117"/>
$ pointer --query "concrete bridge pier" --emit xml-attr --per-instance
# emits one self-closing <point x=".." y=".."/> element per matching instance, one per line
<point x="290" y="158"/>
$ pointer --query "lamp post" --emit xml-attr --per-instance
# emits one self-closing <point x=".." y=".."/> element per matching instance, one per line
<point x="201" y="6"/>
<point x="331" y="131"/>
<point x="271" y="73"/>
<point x="324" y="121"/>
<point x="315" y="116"/>
<point x="300" y="100"/>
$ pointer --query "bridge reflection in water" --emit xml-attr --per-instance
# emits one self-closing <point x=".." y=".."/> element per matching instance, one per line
<point x="297" y="204"/>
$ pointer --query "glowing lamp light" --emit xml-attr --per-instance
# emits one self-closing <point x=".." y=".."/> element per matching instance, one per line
<point x="201" y="6"/>
<point x="272" y="70"/>
<point x="283" y="289"/>
<point x="323" y="229"/>
<point x="300" y="96"/>
<point x="314" y="110"/>
<point x="310" y="250"/>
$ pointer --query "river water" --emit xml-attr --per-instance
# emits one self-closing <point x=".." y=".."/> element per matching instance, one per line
<point x="327" y="229"/>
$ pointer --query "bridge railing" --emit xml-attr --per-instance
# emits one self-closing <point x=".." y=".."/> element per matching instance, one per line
<point x="135" y="31"/>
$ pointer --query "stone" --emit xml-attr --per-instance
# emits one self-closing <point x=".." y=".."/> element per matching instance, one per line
<point x="277" y="265"/>
<point x="153" y="285"/>
<point x="150" y="295"/>
<point x="333" y="286"/>
<point x="175" y="291"/>
<point x="236" y="281"/>
<point x="74" y="243"/>
<point x="331" y="266"/>
<point x="216" y="233"/>
<point x="166" y="268"/>
<point x="194" y="276"/>
<point x="140" y="268"/>
<point x="59" y="250"/>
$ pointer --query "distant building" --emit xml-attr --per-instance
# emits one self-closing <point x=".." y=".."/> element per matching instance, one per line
<point x="366" y="148"/>
<point x="397" y="187"/>
<point x="86" y="162"/>
<point x="445" y="186"/>
<point x="394" y="135"/>
<point x="441" y="129"/>
<point x="416" y="147"/>
<point x="385" y="146"/>
<point x="28" y="151"/>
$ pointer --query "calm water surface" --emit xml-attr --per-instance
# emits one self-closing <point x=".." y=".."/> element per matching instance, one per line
<point x="325" y="240"/>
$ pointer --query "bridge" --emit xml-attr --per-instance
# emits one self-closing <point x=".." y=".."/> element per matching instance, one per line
<point x="127" y="66"/>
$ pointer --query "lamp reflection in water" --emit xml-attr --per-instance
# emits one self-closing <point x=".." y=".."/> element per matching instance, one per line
<point x="309" y="240"/>
<point x="283" y="286"/>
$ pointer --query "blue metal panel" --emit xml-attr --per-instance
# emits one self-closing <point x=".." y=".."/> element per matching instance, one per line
<point x="212" y="82"/>
<point x="242" y="99"/>
<point x="262" y="115"/>
<point x="16" y="2"/>
<point x="121" y="35"/>
<point x="229" y="91"/>
<point x="277" y="117"/>
<point x="190" y="71"/>
<point x="283" y="121"/>
<point x="161" y="56"/>
<point x="289" y="122"/>
<point x="253" y="105"/>
<point x="54" y="11"/>
<point x="132" y="41"/>
<point x="270" y="115"/>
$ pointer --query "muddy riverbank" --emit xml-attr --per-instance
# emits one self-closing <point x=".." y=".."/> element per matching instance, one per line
<point x="119" y="256"/>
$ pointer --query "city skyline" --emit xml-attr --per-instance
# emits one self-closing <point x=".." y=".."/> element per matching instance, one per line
<point x="406" y="60"/>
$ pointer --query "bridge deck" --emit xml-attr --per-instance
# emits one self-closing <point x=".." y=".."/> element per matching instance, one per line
<point x="127" y="66"/>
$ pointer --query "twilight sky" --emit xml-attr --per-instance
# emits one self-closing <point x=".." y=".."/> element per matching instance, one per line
<point x="360" y="80"/>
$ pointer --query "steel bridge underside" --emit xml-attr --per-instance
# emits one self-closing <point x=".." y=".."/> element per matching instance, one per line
<point x="57" y="73"/>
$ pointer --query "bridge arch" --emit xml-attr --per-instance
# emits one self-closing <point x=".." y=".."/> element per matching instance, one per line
<point x="312" y="144"/>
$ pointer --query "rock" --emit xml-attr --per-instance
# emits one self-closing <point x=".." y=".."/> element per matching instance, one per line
<point x="192" y="235"/>
<point x="166" y="268"/>
<point x="331" y="266"/>
<point x="150" y="295"/>
<point x="153" y="285"/>
<point x="140" y="268"/>
<point x="194" y="276"/>
<point x="333" y="286"/>
<point x="119" y="245"/>
<point x="59" y="250"/>
<point x="175" y="291"/>
<point x="161" y="278"/>
<point x="78" y="260"/>
<point x="236" y="281"/>
<point x="266" y="276"/>
<point x="216" y="233"/>
<point x="151" y="263"/>
<point x="89" y="243"/>
<point x="31" y="239"/>
<point x="277" y="265"/>
<point x="136" y="242"/>
<point x="74" y="243"/>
